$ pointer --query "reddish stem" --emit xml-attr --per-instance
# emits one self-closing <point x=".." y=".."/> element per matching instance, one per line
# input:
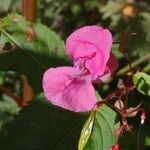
<point x="114" y="94"/>
<point x="27" y="91"/>
<point x="129" y="61"/>
<point x="30" y="10"/>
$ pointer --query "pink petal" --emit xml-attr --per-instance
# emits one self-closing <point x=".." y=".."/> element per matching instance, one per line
<point x="88" y="39"/>
<point x="112" y="65"/>
<point x="92" y="44"/>
<point x="65" y="88"/>
<point x="96" y="65"/>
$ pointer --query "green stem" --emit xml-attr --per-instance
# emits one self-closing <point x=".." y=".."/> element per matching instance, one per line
<point x="133" y="65"/>
<point x="146" y="68"/>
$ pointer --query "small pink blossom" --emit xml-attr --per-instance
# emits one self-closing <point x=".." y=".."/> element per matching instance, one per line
<point x="64" y="87"/>
<point x="90" y="47"/>
<point x="71" y="87"/>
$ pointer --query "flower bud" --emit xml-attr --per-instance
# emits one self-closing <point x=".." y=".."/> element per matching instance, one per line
<point x="143" y="117"/>
<point x="116" y="147"/>
<point x="129" y="10"/>
<point x="30" y="33"/>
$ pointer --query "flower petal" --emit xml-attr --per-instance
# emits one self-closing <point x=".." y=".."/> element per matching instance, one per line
<point x="112" y="65"/>
<point x="96" y="65"/>
<point x="87" y="40"/>
<point x="90" y="45"/>
<point x="65" y="88"/>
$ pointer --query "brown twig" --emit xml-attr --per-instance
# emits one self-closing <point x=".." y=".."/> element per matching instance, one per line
<point x="27" y="91"/>
<point x="30" y="10"/>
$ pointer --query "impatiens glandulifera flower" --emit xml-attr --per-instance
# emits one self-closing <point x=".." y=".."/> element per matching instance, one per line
<point x="71" y="87"/>
<point x="64" y="87"/>
<point x="89" y="48"/>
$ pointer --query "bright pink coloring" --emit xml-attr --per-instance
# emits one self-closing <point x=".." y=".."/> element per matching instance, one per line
<point x="64" y="87"/>
<point x="71" y="87"/>
<point x="90" y="47"/>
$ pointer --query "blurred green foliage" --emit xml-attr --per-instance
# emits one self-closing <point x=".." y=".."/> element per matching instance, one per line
<point x="8" y="107"/>
<point x="34" y="56"/>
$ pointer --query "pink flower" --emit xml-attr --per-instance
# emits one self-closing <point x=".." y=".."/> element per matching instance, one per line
<point x="71" y="87"/>
<point x="64" y="87"/>
<point x="90" y="47"/>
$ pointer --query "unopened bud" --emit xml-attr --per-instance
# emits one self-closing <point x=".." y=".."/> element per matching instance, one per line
<point x="129" y="10"/>
<point x="30" y="33"/>
<point x="116" y="147"/>
<point x="143" y="117"/>
<point x="120" y="84"/>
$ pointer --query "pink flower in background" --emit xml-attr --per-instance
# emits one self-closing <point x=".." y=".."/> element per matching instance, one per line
<point x="71" y="87"/>
<point x="64" y="87"/>
<point x="90" y="47"/>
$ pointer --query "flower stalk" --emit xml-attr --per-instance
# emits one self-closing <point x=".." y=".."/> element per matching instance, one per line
<point x="30" y="10"/>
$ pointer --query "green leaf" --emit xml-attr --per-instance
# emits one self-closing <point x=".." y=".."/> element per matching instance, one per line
<point x="105" y="125"/>
<point x="142" y="82"/>
<point x="145" y="23"/>
<point x="7" y="109"/>
<point x="34" y="57"/>
<point x="116" y="51"/>
<point x="41" y="125"/>
<point x="86" y="131"/>
<point x="5" y="5"/>
<point x="111" y="9"/>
